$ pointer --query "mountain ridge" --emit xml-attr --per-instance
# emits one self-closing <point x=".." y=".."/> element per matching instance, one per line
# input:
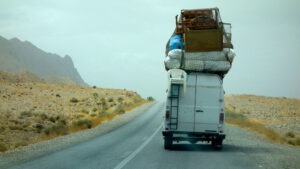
<point x="17" y="55"/>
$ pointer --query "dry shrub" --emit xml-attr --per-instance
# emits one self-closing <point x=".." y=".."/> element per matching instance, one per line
<point x="120" y="99"/>
<point x="21" y="144"/>
<point x="297" y="141"/>
<point x="93" y="115"/>
<point x="25" y="114"/>
<point x="110" y="99"/>
<point x="78" y="116"/>
<point x="120" y="109"/>
<point x="74" y="100"/>
<point x="83" y="123"/>
<point x="44" y="116"/>
<point x="150" y="98"/>
<point x="290" y="134"/>
<point x="85" y="111"/>
<point x="57" y="129"/>
<point x="3" y="147"/>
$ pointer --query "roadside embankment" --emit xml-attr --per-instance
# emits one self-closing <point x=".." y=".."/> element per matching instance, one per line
<point x="276" y="119"/>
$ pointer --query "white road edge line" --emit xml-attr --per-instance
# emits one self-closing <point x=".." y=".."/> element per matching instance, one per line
<point x="133" y="154"/>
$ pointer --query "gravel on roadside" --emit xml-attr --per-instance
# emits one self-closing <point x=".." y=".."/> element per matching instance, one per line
<point x="267" y="154"/>
<point x="45" y="147"/>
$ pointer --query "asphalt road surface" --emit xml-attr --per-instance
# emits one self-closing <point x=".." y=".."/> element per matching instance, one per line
<point x="139" y="145"/>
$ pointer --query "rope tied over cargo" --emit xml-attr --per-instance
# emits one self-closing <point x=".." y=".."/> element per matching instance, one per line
<point x="182" y="60"/>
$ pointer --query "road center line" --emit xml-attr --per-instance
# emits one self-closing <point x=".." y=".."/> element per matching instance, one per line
<point x="133" y="154"/>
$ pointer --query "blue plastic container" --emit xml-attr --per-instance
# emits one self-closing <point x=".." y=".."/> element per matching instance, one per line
<point x="175" y="42"/>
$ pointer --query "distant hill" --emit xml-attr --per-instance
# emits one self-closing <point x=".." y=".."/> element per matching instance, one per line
<point x="18" y="56"/>
<point x="29" y="77"/>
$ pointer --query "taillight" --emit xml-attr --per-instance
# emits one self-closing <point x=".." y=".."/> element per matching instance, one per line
<point x="221" y="118"/>
<point x="167" y="114"/>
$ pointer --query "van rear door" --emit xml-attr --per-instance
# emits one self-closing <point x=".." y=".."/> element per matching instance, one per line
<point x="209" y="102"/>
<point x="186" y="113"/>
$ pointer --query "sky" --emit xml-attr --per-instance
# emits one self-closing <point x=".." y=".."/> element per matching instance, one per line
<point x="120" y="44"/>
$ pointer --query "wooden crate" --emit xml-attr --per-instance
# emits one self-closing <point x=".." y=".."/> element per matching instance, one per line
<point x="203" y="40"/>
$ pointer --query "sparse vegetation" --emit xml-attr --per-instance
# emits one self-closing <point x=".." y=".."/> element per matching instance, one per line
<point x="279" y="114"/>
<point x="58" y="129"/>
<point x="95" y="95"/>
<point x="93" y="114"/>
<point x="244" y="122"/>
<point x="74" y="100"/>
<point x="150" y="98"/>
<point x="43" y="116"/>
<point x="85" y="111"/>
<point x="85" y="122"/>
<point x="26" y="114"/>
<point x="3" y="147"/>
<point x="120" y="99"/>
<point x="137" y="100"/>
<point x="32" y="112"/>
<point x="290" y="134"/>
<point x="110" y="99"/>
<point x="120" y="109"/>
<point x="102" y="113"/>
<point x="21" y="144"/>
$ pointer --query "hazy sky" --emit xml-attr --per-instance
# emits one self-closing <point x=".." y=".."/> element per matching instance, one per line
<point x="120" y="43"/>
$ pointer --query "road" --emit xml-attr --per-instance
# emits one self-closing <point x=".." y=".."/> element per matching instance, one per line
<point x="139" y="145"/>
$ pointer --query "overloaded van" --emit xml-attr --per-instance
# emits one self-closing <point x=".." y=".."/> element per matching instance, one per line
<point x="194" y="108"/>
<point x="198" y="56"/>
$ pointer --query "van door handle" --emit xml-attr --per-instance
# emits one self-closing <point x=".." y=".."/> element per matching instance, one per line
<point x="199" y="111"/>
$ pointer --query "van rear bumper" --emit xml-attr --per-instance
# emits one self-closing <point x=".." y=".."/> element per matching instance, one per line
<point x="193" y="136"/>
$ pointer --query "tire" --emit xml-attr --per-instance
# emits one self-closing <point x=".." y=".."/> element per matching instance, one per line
<point x="217" y="144"/>
<point x="168" y="143"/>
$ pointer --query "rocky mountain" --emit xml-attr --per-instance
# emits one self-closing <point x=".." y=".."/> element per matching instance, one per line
<point x="16" y="56"/>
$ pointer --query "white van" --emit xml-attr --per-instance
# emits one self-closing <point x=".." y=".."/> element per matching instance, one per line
<point x="194" y="108"/>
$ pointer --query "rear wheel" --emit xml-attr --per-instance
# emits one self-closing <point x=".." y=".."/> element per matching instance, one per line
<point x="217" y="144"/>
<point x="168" y="143"/>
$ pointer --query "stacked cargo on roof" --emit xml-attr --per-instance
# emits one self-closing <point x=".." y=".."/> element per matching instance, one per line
<point x="201" y="42"/>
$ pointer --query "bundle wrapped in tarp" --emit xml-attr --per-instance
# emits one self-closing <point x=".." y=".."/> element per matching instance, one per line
<point x="216" y="61"/>
<point x="198" y="65"/>
<point x="225" y="55"/>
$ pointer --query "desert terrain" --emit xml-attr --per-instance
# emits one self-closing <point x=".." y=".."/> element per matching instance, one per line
<point x="277" y="118"/>
<point x="32" y="110"/>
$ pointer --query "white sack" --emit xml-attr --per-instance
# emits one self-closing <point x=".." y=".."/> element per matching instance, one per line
<point x="172" y="63"/>
<point x="175" y="54"/>
<point x="217" y="66"/>
<point x="194" y="65"/>
<point x="198" y="65"/>
<point x="206" y="56"/>
<point x="209" y="56"/>
<point x="225" y="55"/>
<point x="231" y="55"/>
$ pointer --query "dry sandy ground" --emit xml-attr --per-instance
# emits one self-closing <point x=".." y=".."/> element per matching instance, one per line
<point x="31" y="112"/>
<point x="280" y="114"/>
